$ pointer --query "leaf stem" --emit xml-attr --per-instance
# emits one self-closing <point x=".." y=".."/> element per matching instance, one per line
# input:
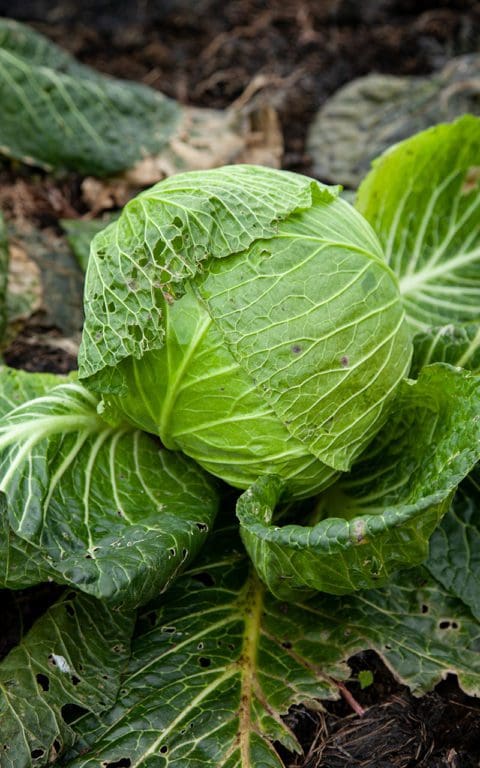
<point x="350" y="698"/>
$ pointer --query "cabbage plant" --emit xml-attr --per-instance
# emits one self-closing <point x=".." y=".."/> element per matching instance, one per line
<point x="248" y="318"/>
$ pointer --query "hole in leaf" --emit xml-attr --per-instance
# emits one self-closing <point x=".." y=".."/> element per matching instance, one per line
<point x="454" y="625"/>
<point x="425" y="608"/>
<point x="72" y="712"/>
<point x="287" y="644"/>
<point x="164" y="750"/>
<point x="57" y="745"/>
<point x="43" y="681"/>
<point x="135" y="331"/>
<point x="124" y="762"/>
<point x="204" y="661"/>
<point x="204" y="578"/>
<point x="36" y="753"/>
<point x="444" y="624"/>
<point x="75" y="680"/>
<point x="184" y="553"/>
<point x="70" y="610"/>
<point x="169" y="630"/>
<point x="202" y="526"/>
<point x="172" y="551"/>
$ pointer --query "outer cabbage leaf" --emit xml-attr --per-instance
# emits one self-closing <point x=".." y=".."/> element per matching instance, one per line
<point x="455" y="546"/>
<point x="20" y="563"/>
<point x="57" y="112"/>
<point x="367" y="115"/>
<point x="259" y="276"/>
<point x="422" y="198"/>
<point x="454" y="344"/>
<point x="380" y="516"/>
<point x="219" y="660"/>
<point x="102" y="507"/>
<point x="68" y="664"/>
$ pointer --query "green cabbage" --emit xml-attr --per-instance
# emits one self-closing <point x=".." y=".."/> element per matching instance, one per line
<point x="248" y="318"/>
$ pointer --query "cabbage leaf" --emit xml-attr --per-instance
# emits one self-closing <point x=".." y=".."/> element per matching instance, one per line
<point x="67" y="665"/>
<point x="72" y="116"/>
<point x="380" y="516"/>
<point x="422" y="198"/>
<point x="100" y="507"/>
<point x="218" y="661"/>
<point x="455" y="546"/>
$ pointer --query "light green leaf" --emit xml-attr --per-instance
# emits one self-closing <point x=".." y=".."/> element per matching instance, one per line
<point x="422" y="198"/>
<point x="162" y="238"/>
<point x="56" y="112"/>
<point x="315" y="319"/>
<point x="455" y="546"/>
<point x="67" y="665"/>
<point x="80" y="233"/>
<point x="379" y="517"/>
<point x="218" y="662"/>
<point x="105" y="507"/>
<point x="453" y="344"/>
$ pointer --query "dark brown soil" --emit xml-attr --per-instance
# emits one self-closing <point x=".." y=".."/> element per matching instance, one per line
<point x="294" y="54"/>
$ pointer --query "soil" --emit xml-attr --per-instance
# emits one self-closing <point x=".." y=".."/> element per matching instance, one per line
<point x="293" y="54"/>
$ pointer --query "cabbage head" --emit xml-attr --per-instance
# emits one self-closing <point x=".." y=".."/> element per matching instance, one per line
<point x="248" y="318"/>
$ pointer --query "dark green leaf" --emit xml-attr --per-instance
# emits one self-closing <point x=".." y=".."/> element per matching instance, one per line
<point x="219" y="660"/>
<point x="56" y="112"/>
<point x="104" y="507"/>
<point x="370" y="114"/>
<point x="380" y="516"/>
<point x="455" y="546"/>
<point x="68" y="664"/>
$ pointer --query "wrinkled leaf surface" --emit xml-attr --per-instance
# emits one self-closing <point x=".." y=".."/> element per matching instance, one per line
<point x="68" y="664"/>
<point x="422" y="198"/>
<point x="217" y="663"/>
<point x="104" y="507"/>
<point x="380" y="516"/>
